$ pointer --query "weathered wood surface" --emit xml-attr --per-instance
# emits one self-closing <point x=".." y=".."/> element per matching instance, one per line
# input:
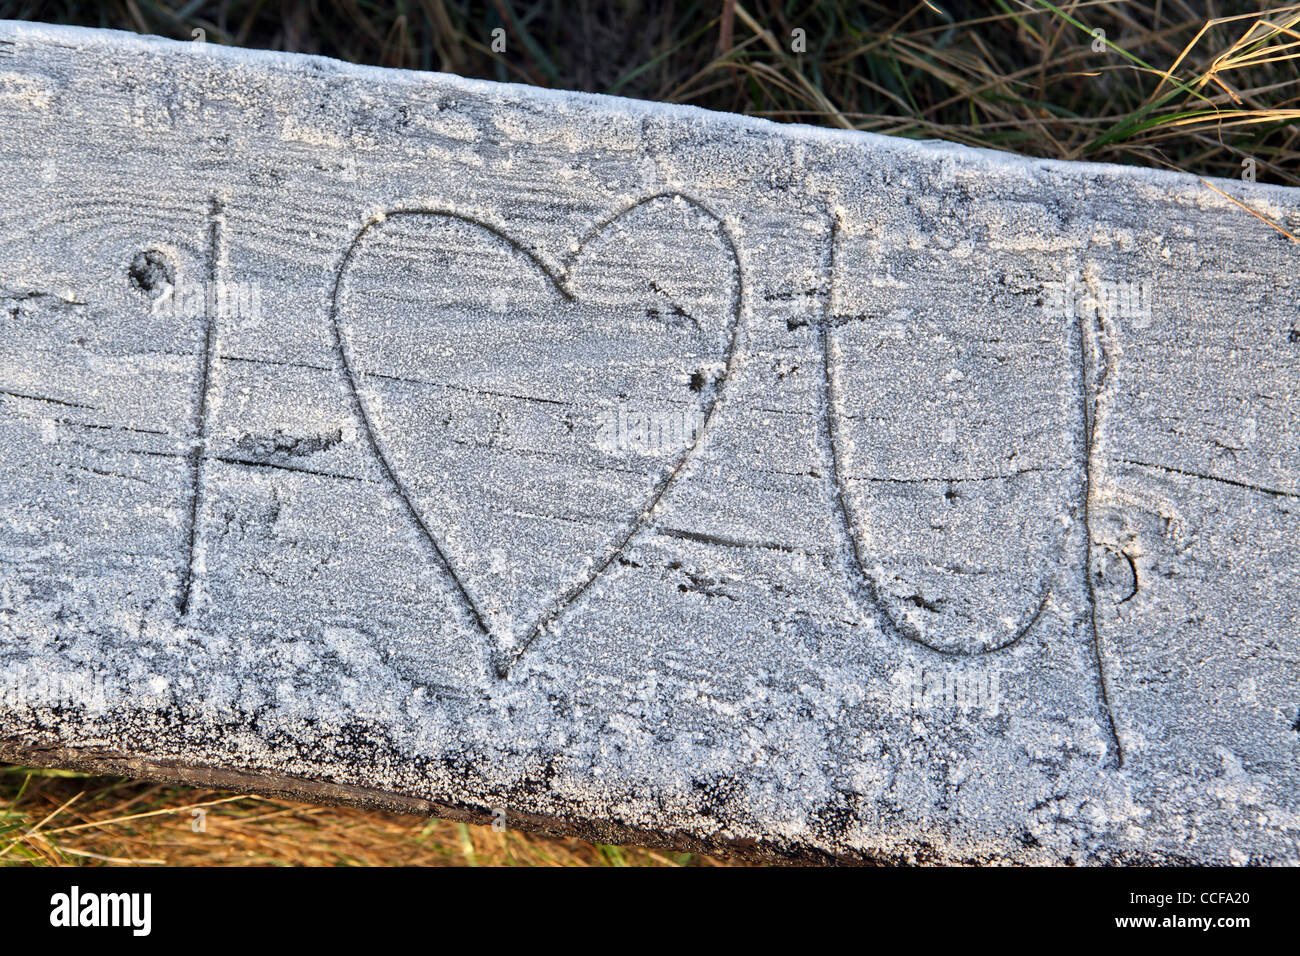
<point x="638" y="471"/>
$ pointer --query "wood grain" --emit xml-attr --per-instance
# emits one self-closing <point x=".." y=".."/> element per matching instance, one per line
<point x="640" y="470"/>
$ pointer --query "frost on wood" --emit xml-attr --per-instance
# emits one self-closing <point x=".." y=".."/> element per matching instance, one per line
<point x="637" y="471"/>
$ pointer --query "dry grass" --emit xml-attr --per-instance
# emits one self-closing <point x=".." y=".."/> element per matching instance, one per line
<point x="1169" y="83"/>
<point x="59" y="818"/>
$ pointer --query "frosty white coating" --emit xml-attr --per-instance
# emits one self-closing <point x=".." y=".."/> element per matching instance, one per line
<point x="646" y="473"/>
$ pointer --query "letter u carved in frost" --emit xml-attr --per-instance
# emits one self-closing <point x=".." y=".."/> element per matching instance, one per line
<point x="958" y="427"/>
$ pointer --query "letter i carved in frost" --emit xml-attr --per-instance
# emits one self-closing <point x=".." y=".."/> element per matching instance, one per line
<point x="192" y="567"/>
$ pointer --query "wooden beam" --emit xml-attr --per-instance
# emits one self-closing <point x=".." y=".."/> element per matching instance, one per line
<point x="638" y="471"/>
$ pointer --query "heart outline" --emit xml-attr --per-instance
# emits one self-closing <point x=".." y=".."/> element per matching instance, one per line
<point x="559" y="279"/>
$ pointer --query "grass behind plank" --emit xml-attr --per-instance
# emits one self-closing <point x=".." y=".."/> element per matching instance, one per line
<point x="1199" y="87"/>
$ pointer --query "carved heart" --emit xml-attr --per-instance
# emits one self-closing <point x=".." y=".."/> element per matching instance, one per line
<point x="955" y="502"/>
<point x="531" y="416"/>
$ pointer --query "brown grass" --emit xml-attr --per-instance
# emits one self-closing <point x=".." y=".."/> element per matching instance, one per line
<point x="1171" y="83"/>
<point x="59" y="818"/>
